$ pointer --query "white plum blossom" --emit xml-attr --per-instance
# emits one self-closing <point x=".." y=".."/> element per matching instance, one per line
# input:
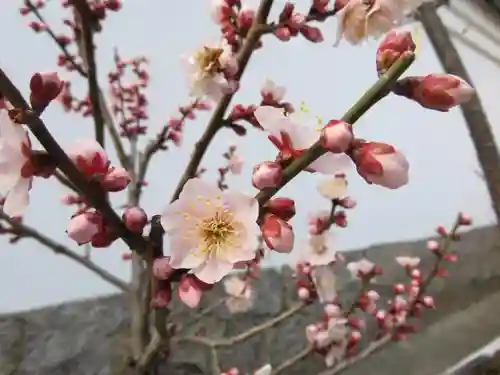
<point x="264" y="370"/>
<point x="361" y="19"/>
<point x="408" y="261"/>
<point x="235" y="164"/>
<point x="325" y="282"/>
<point x="360" y="268"/>
<point x="15" y="153"/>
<point x="317" y="252"/>
<point x="207" y="71"/>
<point x="239" y="294"/>
<point x="296" y="132"/>
<point x="270" y="91"/>
<point x="210" y="230"/>
<point x="333" y="188"/>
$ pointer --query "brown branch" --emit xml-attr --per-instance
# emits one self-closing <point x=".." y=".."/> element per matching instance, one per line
<point x="109" y="123"/>
<point x="88" y="56"/>
<point x="94" y="194"/>
<point x="25" y="231"/>
<point x="230" y="341"/>
<point x="216" y="122"/>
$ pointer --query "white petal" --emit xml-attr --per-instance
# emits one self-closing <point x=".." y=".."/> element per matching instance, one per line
<point x="12" y="133"/>
<point x="18" y="198"/>
<point x="331" y="163"/>
<point x="265" y="370"/>
<point x="184" y="251"/>
<point x="271" y="119"/>
<point x="197" y="187"/>
<point x="213" y="270"/>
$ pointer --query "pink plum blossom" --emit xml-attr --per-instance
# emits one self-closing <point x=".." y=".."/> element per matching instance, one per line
<point x="294" y="133"/>
<point x="209" y="230"/>
<point x="15" y="165"/>
<point x="361" y="268"/>
<point x="271" y="92"/>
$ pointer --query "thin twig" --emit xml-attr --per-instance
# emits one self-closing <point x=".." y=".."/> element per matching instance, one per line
<point x="247" y="334"/>
<point x="26" y="231"/>
<point x="88" y="56"/>
<point x="216" y="122"/>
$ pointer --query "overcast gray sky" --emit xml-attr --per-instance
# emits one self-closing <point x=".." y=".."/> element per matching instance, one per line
<point x="330" y="80"/>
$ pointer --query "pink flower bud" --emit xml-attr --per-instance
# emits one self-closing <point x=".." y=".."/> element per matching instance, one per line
<point x="440" y="92"/>
<point x="312" y="34"/>
<point x="90" y="158"/>
<point x="428" y="302"/>
<point x="433" y="245"/>
<point x="189" y="291"/>
<point x="381" y="164"/>
<point x="283" y="33"/>
<point x="336" y="136"/>
<point x="277" y="234"/>
<point x="45" y="87"/>
<point x="82" y="228"/>
<point x="162" y="297"/>
<point x="267" y="175"/>
<point x="284" y="208"/>
<point x="303" y="294"/>
<point x="116" y="179"/>
<point x="395" y="44"/>
<point x="162" y="269"/>
<point x="245" y="18"/>
<point x="464" y="220"/>
<point x="135" y="219"/>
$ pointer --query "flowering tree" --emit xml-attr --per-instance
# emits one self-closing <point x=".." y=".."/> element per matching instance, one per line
<point x="210" y="230"/>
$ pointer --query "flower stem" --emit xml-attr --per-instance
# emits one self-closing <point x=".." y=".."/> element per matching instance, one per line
<point x="370" y="98"/>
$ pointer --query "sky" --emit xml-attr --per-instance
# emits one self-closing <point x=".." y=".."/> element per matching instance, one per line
<point x="443" y="172"/>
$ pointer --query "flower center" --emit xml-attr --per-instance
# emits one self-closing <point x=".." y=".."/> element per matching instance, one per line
<point x="208" y="59"/>
<point x="216" y="233"/>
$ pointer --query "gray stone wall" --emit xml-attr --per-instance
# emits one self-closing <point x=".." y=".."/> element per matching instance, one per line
<point x="91" y="337"/>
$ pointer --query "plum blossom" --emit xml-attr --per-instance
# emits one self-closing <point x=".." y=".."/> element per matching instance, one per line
<point x="240" y="294"/>
<point x="325" y="281"/>
<point x="235" y="164"/>
<point x="208" y="70"/>
<point x="271" y="92"/>
<point x="317" y="252"/>
<point x="16" y="172"/>
<point x="210" y="230"/>
<point x="333" y="188"/>
<point x="294" y="133"/>
<point x="264" y="370"/>
<point x="360" y="19"/>
<point x="361" y="268"/>
<point x="408" y="261"/>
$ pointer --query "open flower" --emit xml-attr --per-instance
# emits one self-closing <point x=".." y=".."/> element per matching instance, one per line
<point x="208" y="71"/>
<point x="210" y="230"/>
<point x="16" y="171"/>
<point x="239" y="294"/>
<point x="294" y="133"/>
<point x="360" y="19"/>
<point x="317" y="253"/>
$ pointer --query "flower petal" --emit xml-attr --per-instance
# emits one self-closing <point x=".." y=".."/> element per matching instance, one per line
<point x="271" y="119"/>
<point x="213" y="270"/>
<point x="18" y="198"/>
<point x="331" y="163"/>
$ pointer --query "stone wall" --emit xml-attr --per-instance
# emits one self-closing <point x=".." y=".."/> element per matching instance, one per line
<point x="91" y="337"/>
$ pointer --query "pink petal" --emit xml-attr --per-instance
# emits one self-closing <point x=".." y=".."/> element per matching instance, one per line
<point x="184" y="252"/>
<point x="271" y="119"/>
<point x="190" y="296"/>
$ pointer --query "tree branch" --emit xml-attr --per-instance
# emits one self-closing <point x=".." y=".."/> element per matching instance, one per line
<point x="368" y="100"/>
<point x="94" y="195"/>
<point x="25" y="231"/>
<point x="216" y="122"/>
<point x="87" y="45"/>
